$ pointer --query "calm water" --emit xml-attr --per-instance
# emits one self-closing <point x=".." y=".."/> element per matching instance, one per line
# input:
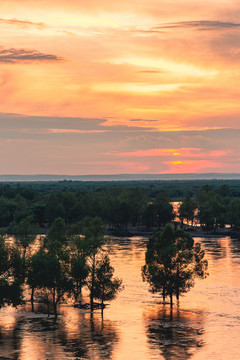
<point x="136" y="325"/>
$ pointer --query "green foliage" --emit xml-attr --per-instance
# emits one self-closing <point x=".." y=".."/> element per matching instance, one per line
<point x="234" y="212"/>
<point x="106" y="287"/>
<point x="172" y="262"/>
<point x="212" y="208"/>
<point x="159" y="212"/>
<point x="25" y="233"/>
<point x="93" y="231"/>
<point x="11" y="276"/>
<point x="187" y="209"/>
<point x="56" y="238"/>
<point x="79" y="273"/>
<point x="119" y="204"/>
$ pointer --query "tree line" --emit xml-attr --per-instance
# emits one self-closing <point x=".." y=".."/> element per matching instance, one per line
<point x="120" y="208"/>
<point x="212" y="208"/>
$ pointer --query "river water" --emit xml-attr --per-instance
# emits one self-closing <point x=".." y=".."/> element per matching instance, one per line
<point x="205" y="325"/>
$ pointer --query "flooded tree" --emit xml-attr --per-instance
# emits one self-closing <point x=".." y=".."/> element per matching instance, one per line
<point x="11" y="275"/>
<point x="106" y="286"/>
<point x="48" y="270"/>
<point x="79" y="271"/>
<point x="92" y="230"/>
<point x="172" y="263"/>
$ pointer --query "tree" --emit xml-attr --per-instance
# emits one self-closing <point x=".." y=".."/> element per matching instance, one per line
<point x="187" y="209"/>
<point x="172" y="263"/>
<point x="56" y="280"/>
<point x="25" y="233"/>
<point x="79" y="273"/>
<point x="149" y="216"/>
<point x="56" y="238"/>
<point x="37" y="272"/>
<point x="11" y="275"/>
<point x="92" y="230"/>
<point x="164" y="210"/>
<point x="106" y="287"/>
<point x="233" y="212"/>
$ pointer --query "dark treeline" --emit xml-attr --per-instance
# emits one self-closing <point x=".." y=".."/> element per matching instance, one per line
<point x="143" y="204"/>
<point x="175" y="188"/>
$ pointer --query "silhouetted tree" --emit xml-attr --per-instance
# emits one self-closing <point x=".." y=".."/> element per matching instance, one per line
<point x="11" y="275"/>
<point x="172" y="263"/>
<point x="187" y="209"/>
<point x="106" y="287"/>
<point x="92" y="230"/>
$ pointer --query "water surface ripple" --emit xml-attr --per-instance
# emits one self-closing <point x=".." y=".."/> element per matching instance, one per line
<point x="137" y="325"/>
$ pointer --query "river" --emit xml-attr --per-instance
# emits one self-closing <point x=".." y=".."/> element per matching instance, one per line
<point x="137" y="325"/>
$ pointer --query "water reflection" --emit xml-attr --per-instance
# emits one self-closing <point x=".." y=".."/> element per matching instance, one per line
<point x="136" y="326"/>
<point x="74" y="334"/>
<point x="176" y="332"/>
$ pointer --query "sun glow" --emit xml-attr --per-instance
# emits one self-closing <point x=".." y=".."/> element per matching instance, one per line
<point x="115" y="80"/>
<point x="177" y="68"/>
<point x="138" y="88"/>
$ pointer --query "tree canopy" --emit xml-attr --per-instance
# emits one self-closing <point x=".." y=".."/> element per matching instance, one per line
<point x="173" y="262"/>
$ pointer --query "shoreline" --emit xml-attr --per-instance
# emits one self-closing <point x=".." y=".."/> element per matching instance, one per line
<point x="194" y="232"/>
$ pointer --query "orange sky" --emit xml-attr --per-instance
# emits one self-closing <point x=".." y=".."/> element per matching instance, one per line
<point x="104" y="87"/>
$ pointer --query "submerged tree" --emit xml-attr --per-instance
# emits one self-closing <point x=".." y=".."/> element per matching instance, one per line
<point x="92" y="230"/>
<point x="79" y="271"/>
<point x="106" y="286"/>
<point x="172" y="263"/>
<point x="48" y="269"/>
<point x="11" y="275"/>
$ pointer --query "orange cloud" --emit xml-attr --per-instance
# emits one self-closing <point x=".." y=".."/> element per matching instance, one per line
<point x="188" y="166"/>
<point x="147" y="69"/>
<point x="73" y="131"/>
<point x="158" y="152"/>
<point x="23" y="23"/>
<point x="12" y="56"/>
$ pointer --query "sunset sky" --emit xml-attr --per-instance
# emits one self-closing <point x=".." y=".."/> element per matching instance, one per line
<point x="110" y="87"/>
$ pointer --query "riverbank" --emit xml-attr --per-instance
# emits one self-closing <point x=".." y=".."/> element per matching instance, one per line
<point x="193" y="231"/>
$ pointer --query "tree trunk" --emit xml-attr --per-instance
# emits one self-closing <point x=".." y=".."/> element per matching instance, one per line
<point x="102" y="309"/>
<point x="177" y="285"/>
<point x="171" y="300"/>
<point x="163" y="294"/>
<point x="93" y="283"/>
<point x="48" y="308"/>
<point x="32" y="299"/>
<point x="54" y="304"/>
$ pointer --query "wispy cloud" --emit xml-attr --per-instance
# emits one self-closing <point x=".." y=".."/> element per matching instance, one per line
<point x="159" y="152"/>
<point x="64" y="131"/>
<point x="23" y="23"/>
<point x="199" y="25"/>
<point x="13" y="55"/>
<point x="178" y="152"/>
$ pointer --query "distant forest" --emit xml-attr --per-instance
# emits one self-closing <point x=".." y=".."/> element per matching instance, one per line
<point x="144" y="205"/>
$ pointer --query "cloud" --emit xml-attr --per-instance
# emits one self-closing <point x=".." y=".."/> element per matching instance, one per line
<point x="160" y="152"/>
<point x="150" y="71"/>
<point x="23" y="23"/>
<point x="149" y="31"/>
<point x="199" y="25"/>
<point x="63" y="131"/>
<point x="196" y="166"/>
<point x="13" y="55"/>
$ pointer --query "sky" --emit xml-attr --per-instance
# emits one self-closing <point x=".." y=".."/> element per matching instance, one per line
<point x="116" y="87"/>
